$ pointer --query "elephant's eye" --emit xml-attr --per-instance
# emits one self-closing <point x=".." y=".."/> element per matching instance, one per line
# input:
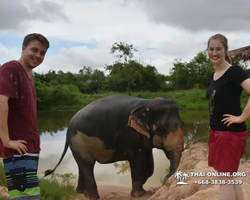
<point x="161" y="130"/>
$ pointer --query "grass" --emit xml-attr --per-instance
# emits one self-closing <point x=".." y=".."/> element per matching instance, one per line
<point x="2" y="181"/>
<point x="186" y="99"/>
<point x="2" y="175"/>
<point x="57" y="187"/>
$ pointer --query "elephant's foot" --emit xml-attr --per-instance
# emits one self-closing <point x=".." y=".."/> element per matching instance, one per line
<point x="91" y="198"/>
<point x="166" y="179"/>
<point x="137" y="193"/>
<point x="80" y="189"/>
<point x="91" y="195"/>
<point x="88" y="195"/>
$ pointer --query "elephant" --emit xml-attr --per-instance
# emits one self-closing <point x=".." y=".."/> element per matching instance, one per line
<point x="123" y="128"/>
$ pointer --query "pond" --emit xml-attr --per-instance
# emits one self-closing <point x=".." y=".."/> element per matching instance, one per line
<point x="53" y="126"/>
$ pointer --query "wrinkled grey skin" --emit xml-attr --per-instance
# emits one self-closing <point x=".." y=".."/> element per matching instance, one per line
<point x="118" y="128"/>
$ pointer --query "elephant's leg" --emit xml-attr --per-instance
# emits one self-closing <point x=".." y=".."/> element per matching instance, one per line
<point x="149" y="167"/>
<point x="81" y="184"/>
<point x="86" y="181"/>
<point x="138" y="170"/>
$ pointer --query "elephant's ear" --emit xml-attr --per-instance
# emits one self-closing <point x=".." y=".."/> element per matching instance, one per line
<point x="138" y="120"/>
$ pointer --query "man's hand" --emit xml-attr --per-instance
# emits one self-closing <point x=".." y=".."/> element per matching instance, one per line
<point x="18" y="145"/>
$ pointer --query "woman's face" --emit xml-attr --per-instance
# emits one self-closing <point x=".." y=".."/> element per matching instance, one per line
<point x="216" y="52"/>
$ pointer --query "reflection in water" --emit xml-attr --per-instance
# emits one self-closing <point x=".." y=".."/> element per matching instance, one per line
<point x="53" y="121"/>
<point x="53" y="126"/>
<point x="196" y="124"/>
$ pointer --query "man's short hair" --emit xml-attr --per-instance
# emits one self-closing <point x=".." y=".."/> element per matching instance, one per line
<point x="35" y="36"/>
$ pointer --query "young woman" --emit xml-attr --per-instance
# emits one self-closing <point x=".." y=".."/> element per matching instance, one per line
<point x="228" y="131"/>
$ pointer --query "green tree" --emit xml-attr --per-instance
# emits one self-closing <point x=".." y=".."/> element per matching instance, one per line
<point x="90" y="81"/>
<point x="179" y="75"/>
<point x="125" y="51"/>
<point x="97" y="81"/>
<point x="193" y="74"/>
<point x="152" y="80"/>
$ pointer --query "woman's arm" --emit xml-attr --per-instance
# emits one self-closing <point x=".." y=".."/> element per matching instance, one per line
<point x="230" y="119"/>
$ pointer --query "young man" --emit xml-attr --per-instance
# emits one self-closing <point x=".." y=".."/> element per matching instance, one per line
<point x="19" y="136"/>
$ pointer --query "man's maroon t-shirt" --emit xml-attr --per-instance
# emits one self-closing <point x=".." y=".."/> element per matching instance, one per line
<point x="22" y="116"/>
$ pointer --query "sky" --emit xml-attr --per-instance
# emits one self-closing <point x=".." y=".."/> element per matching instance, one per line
<point x="82" y="32"/>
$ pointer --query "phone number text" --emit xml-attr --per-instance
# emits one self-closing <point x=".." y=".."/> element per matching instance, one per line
<point x="218" y="182"/>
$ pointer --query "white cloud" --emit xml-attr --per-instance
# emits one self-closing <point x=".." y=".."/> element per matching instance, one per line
<point x="76" y="58"/>
<point x="8" y="53"/>
<point x="17" y="14"/>
<point x="173" y="29"/>
<point x="197" y="15"/>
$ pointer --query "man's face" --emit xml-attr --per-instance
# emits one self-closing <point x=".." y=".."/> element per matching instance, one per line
<point x="33" y="54"/>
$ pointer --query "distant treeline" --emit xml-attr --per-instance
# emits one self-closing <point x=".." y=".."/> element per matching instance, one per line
<point x="67" y="90"/>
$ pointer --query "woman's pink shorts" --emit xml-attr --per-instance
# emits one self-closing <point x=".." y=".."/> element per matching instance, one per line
<point x="226" y="149"/>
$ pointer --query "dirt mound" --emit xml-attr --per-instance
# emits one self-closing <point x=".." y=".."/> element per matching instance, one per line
<point x="194" y="159"/>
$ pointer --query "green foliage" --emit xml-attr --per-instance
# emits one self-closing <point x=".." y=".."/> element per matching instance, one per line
<point x="2" y="175"/>
<point x="128" y="70"/>
<point x="167" y="183"/>
<point x="124" y="167"/>
<point x="247" y="151"/>
<point x="195" y="73"/>
<point x="58" y="187"/>
<point x="125" y="50"/>
<point x="186" y="99"/>
<point x="3" y="197"/>
<point x="151" y="80"/>
<point x="44" y="94"/>
<point x="65" y="94"/>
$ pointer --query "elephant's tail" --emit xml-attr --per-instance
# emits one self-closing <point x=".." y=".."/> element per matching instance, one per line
<point x="50" y="171"/>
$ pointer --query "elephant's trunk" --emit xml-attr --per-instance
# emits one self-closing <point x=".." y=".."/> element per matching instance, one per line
<point x="173" y="148"/>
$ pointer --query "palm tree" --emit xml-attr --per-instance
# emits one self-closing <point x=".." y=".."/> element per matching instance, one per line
<point x="178" y="175"/>
<point x="185" y="176"/>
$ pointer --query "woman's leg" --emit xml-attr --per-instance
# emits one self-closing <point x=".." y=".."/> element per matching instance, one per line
<point x="238" y="192"/>
<point x="227" y="192"/>
<point x="230" y="192"/>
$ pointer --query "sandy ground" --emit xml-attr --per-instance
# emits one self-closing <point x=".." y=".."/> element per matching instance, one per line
<point x="119" y="193"/>
<point x="194" y="159"/>
<point x="107" y="193"/>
